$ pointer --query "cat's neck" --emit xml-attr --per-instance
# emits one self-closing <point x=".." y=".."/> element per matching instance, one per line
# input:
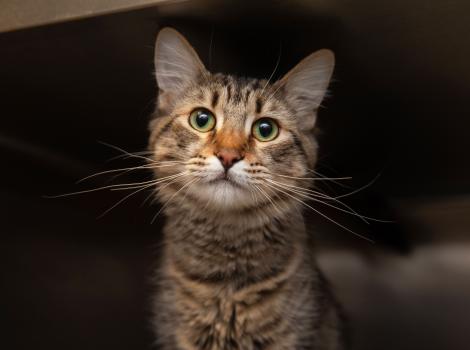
<point x="236" y="224"/>
<point x="238" y="245"/>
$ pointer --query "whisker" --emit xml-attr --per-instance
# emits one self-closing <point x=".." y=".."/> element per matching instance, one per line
<point x="313" y="178"/>
<point x="360" y="188"/>
<point x="154" y="165"/>
<point x="150" y="167"/>
<point x="105" y="187"/>
<point x="125" y="152"/>
<point x="318" y="174"/>
<point x="352" y="212"/>
<point x="124" y="170"/>
<point x="126" y="156"/>
<point x="274" y="70"/>
<point x="174" y="194"/>
<point x="274" y="92"/>
<point x="152" y="194"/>
<point x="321" y="214"/>
<point x="280" y="198"/>
<point x="348" y="209"/>
<point x="253" y="196"/>
<point x="155" y="181"/>
<point x="123" y="200"/>
<point x="186" y="193"/>
<point x="159" y="188"/>
<point x="308" y="190"/>
<point x="269" y="199"/>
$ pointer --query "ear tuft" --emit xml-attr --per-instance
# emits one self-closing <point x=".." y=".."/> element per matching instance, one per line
<point x="306" y="85"/>
<point x="176" y="62"/>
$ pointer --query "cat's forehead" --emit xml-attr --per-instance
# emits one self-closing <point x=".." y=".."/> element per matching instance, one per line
<point x="244" y="92"/>
<point x="239" y="99"/>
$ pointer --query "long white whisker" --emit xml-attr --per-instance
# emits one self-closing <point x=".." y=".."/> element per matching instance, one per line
<point x="318" y="174"/>
<point x="125" y="152"/>
<point x="278" y="196"/>
<point x="170" y="182"/>
<point x="307" y="190"/>
<point x="124" y="170"/>
<point x="125" y="156"/>
<point x="152" y="194"/>
<point x="253" y="196"/>
<point x="124" y="199"/>
<point x="108" y="187"/>
<point x="314" y="178"/>
<point x="306" y="194"/>
<point x="352" y="212"/>
<point x="321" y="214"/>
<point x="154" y="182"/>
<point x="273" y="93"/>
<point x="360" y="188"/>
<point x="269" y="199"/>
<point x="274" y="71"/>
<point x="174" y="194"/>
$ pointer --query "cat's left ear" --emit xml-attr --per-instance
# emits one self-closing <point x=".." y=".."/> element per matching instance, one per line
<point x="306" y="84"/>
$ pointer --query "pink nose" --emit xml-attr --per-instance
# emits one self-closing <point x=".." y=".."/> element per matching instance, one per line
<point x="228" y="157"/>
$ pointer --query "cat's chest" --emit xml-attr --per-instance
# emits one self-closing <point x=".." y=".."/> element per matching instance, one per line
<point x="219" y="312"/>
<point x="223" y="322"/>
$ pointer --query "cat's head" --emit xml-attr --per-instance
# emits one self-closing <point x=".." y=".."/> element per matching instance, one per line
<point x="232" y="142"/>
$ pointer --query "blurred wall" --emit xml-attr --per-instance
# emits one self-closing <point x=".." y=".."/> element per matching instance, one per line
<point x="398" y="109"/>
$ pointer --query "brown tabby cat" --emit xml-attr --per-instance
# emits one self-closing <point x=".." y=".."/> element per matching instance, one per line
<point x="233" y="153"/>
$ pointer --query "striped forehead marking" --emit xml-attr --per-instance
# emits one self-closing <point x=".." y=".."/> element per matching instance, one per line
<point x="237" y="98"/>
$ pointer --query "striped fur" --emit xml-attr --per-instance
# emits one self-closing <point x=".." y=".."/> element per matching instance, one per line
<point x="236" y="271"/>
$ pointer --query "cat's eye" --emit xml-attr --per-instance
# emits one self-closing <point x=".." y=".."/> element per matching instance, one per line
<point x="265" y="129"/>
<point x="202" y="120"/>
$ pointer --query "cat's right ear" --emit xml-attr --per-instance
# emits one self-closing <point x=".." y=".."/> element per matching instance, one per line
<point x="176" y="65"/>
<point x="305" y="85"/>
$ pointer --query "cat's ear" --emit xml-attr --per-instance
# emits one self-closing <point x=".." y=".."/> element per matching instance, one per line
<point x="306" y="84"/>
<point x="176" y="63"/>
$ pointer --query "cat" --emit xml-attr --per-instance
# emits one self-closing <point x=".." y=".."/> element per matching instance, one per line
<point x="230" y="154"/>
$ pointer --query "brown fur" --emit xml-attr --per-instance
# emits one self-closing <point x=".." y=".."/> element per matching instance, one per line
<point x="237" y="272"/>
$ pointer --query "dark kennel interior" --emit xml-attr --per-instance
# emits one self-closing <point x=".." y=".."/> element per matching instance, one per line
<point x="398" y="113"/>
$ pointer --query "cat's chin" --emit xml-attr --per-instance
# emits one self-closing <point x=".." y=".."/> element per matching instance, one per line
<point x="223" y="194"/>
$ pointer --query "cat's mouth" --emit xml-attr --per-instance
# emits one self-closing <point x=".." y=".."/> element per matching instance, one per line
<point x="223" y="190"/>
<point x="226" y="180"/>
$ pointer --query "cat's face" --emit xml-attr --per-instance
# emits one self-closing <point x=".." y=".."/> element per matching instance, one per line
<point x="232" y="142"/>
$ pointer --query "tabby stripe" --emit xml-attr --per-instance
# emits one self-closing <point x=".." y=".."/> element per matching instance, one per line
<point x="255" y="84"/>
<point x="247" y="95"/>
<point x="259" y="105"/>
<point x="163" y="129"/>
<point x="271" y="325"/>
<point x="215" y="99"/>
<point x="206" y="339"/>
<point x="237" y="97"/>
<point x="299" y="145"/>
<point x="219" y="277"/>
<point x="229" y="92"/>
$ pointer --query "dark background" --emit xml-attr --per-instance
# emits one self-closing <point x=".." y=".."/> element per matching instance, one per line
<point x="398" y="109"/>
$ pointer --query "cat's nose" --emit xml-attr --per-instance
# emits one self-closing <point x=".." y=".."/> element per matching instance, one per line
<point x="228" y="157"/>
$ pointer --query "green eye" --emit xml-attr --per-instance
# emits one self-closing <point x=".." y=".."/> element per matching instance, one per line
<point x="202" y="120"/>
<point x="265" y="129"/>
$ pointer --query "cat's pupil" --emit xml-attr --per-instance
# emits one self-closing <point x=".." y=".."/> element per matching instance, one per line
<point x="202" y="119"/>
<point x="265" y="129"/>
